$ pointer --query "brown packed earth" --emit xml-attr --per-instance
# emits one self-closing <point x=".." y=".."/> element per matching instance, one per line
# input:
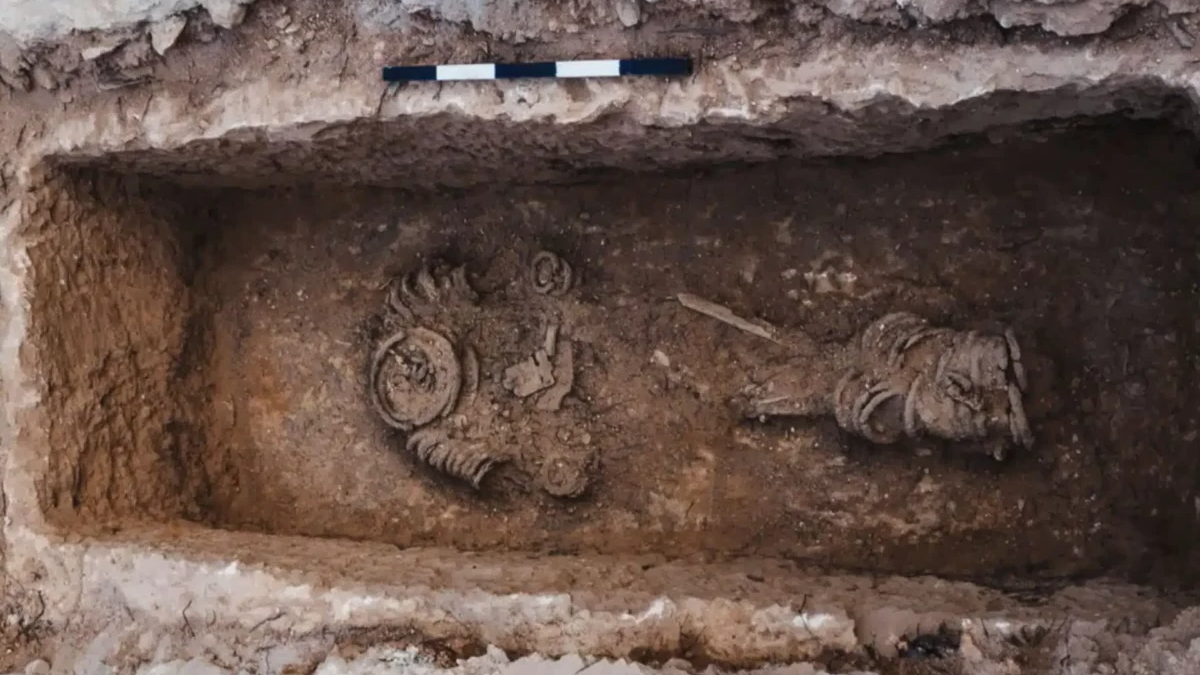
<point x="246" y="322"/>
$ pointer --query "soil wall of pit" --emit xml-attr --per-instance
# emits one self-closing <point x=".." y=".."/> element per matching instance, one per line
<point x="205" y="354"/>
<point x="122" y="348"/>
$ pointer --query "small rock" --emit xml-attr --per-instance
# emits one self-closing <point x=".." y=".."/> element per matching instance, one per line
<point x="44" y="78"/>
<point x="94" y="52"/>
<point x="678" y="664"/>
<point x="629" y="12"/>
<point x="227" y="14"/>
<point x="11" y="57"/>
<point x="37" y="667"/>
<point x="164" y="33"/>
<point x="661" y="359"/>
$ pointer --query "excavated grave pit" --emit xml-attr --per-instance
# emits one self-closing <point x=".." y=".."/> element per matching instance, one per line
<point x="204" y="352"/>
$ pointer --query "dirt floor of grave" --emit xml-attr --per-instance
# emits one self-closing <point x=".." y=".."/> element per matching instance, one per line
<point x="1085" y="245"/>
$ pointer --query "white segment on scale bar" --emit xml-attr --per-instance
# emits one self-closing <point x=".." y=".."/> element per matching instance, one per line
<point x="467" y="71"/>
<point x="604" y="68"/>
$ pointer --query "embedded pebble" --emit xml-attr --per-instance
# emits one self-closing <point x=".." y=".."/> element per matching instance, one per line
<point x="164" y="33"/>
<point x="629" y="13"/>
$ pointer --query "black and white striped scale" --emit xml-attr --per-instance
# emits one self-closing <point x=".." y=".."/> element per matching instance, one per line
<point x="545" y="69"/>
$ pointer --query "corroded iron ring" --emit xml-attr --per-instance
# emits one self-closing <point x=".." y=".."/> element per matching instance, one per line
<point x="415" y="378"/>
<point x="550" y="275"/>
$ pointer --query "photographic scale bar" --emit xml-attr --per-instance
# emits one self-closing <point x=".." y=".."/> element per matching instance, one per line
<point x="552" y="69"/>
